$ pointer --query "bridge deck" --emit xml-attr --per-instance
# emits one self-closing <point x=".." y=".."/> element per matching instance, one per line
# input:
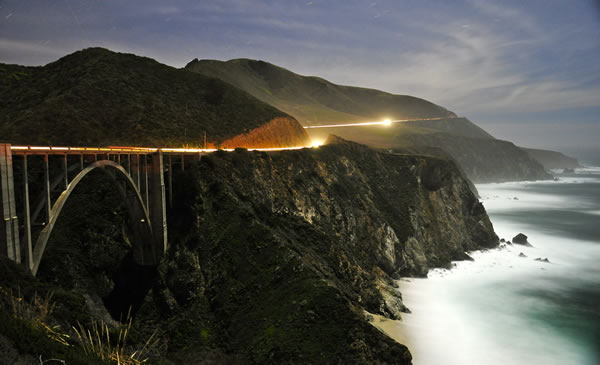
<point x="44" y="150"/>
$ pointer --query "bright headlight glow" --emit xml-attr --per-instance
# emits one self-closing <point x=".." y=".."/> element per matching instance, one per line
<point x="317" y="143"/>
<point x="387" y="122"/>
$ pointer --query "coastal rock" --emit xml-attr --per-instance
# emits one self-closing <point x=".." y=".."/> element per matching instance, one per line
<point x="520" y="239"/>
<point x="465" y="257"/>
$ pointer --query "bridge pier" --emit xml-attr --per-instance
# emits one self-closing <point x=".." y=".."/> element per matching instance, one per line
<point x="9" y="226"/>
<point x="157" y="208"/>
<point x="27" y="217"/>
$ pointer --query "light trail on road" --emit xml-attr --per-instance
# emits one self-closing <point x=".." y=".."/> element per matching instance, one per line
<point x="120" y="149"/>
<point x="361" y="124"/>
<point x="123" y="149"/>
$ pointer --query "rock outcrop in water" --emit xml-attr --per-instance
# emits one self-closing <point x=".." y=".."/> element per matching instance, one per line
<point x="520" y="239"/>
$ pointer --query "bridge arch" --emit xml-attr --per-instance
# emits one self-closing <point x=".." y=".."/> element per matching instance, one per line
<point x="143" y="245"/>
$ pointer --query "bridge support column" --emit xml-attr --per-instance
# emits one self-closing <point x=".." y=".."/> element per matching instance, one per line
<point x="158" y="206"/>
<point x="9" y="226"/>
<point x="47" y="189"/>
<point x="135" y="171"/>
<point x="27" y="218"/>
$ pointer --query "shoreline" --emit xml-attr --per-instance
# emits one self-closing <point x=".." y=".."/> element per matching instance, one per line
<point x="505" y="307"/>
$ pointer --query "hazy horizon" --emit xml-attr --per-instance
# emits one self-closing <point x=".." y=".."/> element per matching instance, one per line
<point x="527" y="73"/>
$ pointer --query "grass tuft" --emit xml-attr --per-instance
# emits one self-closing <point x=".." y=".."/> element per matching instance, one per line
<point x="97" y="341"/>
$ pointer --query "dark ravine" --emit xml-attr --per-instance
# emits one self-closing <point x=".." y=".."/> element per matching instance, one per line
<point x="275" y="256"/>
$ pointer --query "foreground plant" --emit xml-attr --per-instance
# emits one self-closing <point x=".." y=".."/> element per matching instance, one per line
<point x="97" y="341"/>
<point x="37" y="313"/>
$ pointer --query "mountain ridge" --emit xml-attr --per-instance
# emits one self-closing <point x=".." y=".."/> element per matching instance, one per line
<point x="316" y="101"/>
<point x="326" y="98"/>
<point x="113" y="97"/>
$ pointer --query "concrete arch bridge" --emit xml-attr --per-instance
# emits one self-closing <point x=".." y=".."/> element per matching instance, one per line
<point x="140" y="175"/>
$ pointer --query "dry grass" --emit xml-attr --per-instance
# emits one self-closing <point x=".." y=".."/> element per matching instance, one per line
<point x="94" y="341"/>
<point x="97" y="340"/>
<point x="37" y="312"/>
<point x="279" y="132"/>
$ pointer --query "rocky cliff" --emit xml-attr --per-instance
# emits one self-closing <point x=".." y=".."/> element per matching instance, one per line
<point x="274" y="257"/>
<point x="285" y="250"/>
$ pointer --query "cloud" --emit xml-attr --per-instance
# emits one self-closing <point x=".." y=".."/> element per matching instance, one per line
<point x="15" y="51"/>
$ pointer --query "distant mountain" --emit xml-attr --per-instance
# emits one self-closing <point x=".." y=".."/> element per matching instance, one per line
<point x="98" y="97"/>
<point x="314" y="101"/>
<point x="552" y="159"/>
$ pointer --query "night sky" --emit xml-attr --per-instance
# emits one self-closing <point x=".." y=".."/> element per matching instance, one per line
<point x="526" y="71"/>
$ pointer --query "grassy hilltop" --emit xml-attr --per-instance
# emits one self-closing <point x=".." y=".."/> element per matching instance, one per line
<point x="98" y="97"/>
<point x="313" y="100"/>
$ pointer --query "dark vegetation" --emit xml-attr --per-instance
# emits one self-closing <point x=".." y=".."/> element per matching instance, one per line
<point x="98" y="97"/>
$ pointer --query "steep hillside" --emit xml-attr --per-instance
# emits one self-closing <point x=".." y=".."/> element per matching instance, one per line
<point x="313" y="100"/>
<point x="98" y="97"/>
<point x="552" y="159"/>
<point x="482" y="160"/>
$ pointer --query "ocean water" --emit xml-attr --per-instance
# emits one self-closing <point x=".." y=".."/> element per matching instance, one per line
<point x="507" y="309"/>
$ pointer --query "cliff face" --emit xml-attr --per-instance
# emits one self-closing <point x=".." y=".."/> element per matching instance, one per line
<point x="285" y="250"/>
<point x="485" y="160"/>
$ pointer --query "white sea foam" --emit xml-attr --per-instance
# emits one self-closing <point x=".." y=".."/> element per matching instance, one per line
<point x="483" y="312"/>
